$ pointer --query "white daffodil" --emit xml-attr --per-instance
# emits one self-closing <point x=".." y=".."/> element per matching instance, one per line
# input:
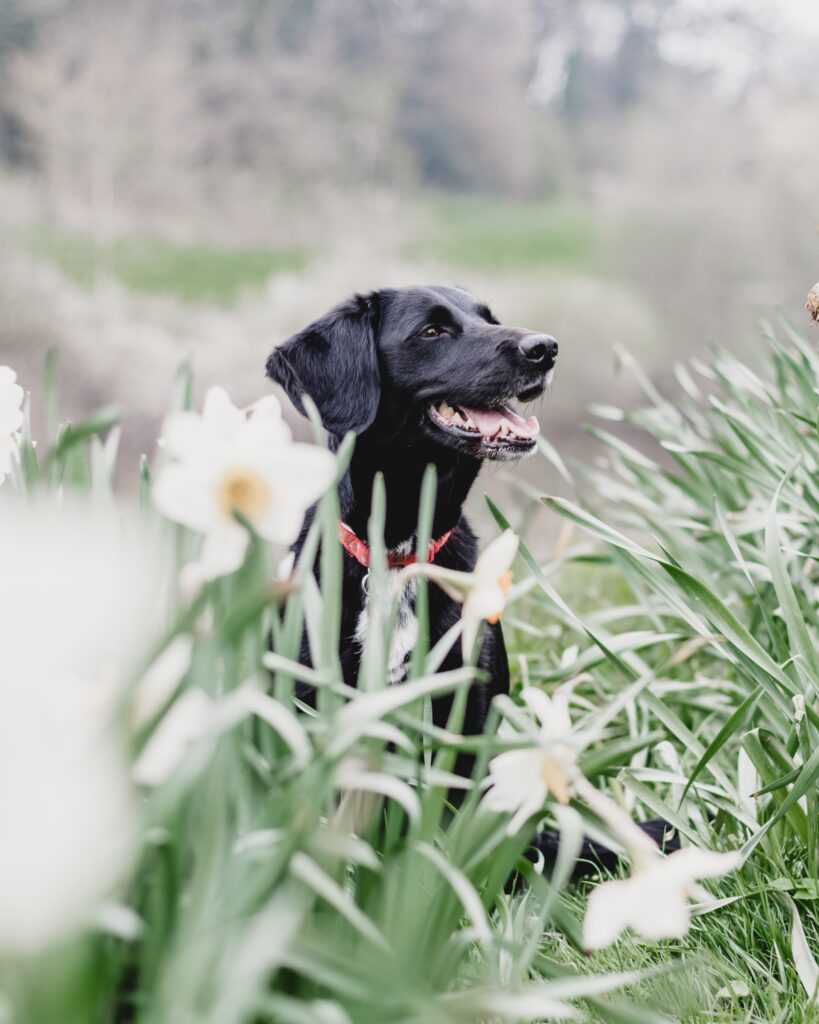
<point x="654" y="901"/>
<point x="521" y="780"/>
<point x="86" y="578"/>
<point x="67" y="809"/>
<point x="491" y="580"/>
<point x="11" y="419"/>
<point x="226" y="463"/>
<point x="79" y="592"/>
<point x="484" y="591"/>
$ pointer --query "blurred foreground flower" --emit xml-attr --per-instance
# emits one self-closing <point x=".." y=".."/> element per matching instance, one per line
<point x="67" y="813"/>
<point x="11" y="419"/>
<point x="226" y="463"/>
<point x="521" y="780"/>
<point x="653" y="902"/>
<point x="77" y="598"/>
<point x="483" y="592"/>
<point x="81" y="595"/>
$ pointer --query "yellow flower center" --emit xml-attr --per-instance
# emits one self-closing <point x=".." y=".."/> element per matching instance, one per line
<point x="504" y="583"/>
<point x="244" y="492"/>
<point x="556" y="780"/>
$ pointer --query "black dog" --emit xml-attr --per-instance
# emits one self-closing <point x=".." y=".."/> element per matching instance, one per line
<point x="420" y="375"/>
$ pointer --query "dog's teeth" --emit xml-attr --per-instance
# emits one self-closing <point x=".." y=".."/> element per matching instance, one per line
<point x="445" y="409"/>
<point x="469" y="423"/>
<point x="504" y="428"/>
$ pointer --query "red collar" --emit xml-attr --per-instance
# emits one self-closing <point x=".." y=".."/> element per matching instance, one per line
<point x="356" y="547"/>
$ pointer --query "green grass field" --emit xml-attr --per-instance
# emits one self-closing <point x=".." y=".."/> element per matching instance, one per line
<point x="468" y="233"/>
<point x="487" y="233"/>
<point x="287" y="868"/>
<point x="153" y="266"/>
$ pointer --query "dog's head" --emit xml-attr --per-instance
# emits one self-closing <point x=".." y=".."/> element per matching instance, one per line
<point x="430" y="360"/>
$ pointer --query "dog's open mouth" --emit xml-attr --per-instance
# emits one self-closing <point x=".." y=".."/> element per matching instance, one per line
<point x="497" y="428"/>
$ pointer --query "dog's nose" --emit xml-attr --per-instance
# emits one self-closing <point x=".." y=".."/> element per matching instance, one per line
<point x="538" y="348"/>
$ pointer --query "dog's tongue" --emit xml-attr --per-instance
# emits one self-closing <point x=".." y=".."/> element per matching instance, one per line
<point x="488" y="421"/>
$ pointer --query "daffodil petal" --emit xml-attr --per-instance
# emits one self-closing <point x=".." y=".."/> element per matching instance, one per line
<point x="11" y="401"/>
<point x="454" y="584"/>
<point x="484" y="602"/>
<point x="8" y="455"/>
<point x="186" y="497"/>
<point x="183" y="436"/>
<point x="306" y="472"/>
<point x="268" y="410"/>
<point x="497" y="557"/>
<point x="692" y="863"/>
<point x="533" y="804"/>
<point x="513" y="773"/>
<point x="224" y="550"/>
<point x="220" y="414"/>
<point x="659" y="908"/>
<point x="560" y="723"/>
<point x="469" y="636"/>
<point x="608" y="914"/>
<point x="11" y="419"/>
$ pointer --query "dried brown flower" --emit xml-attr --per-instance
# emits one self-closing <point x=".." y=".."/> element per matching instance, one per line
<point x="813" y="302"/>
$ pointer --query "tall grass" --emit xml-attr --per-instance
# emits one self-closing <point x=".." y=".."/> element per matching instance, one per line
<point x="306" y="866"/>
<point x="701" y="624"/>
<point x="298" y="866"/>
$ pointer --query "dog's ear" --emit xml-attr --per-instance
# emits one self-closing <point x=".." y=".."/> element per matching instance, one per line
<point x="335" y="362"/>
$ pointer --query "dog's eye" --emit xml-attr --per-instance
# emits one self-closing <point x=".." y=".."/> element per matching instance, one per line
<point x="432" y="331"/>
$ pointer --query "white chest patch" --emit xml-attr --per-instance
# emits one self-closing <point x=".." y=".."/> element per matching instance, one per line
<point x="404" y="636"/>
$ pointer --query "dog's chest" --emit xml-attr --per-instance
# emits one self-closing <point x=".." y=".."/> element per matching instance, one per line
<point x="404" y="635"/>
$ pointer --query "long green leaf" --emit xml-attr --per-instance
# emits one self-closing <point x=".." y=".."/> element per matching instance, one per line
<point x="735" y="722"/>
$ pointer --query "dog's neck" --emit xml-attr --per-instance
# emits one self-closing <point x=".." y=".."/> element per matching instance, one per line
<point x="403" y="470"/>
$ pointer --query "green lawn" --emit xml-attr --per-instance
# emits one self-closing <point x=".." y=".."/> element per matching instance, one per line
<point x="194" y="273"/>
<point x="473" y="232"/>
<point x="488" y="233"/>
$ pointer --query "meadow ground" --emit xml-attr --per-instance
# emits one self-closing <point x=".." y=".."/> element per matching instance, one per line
<point x="672" y="589"/>
<point x="307" y="868"/>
